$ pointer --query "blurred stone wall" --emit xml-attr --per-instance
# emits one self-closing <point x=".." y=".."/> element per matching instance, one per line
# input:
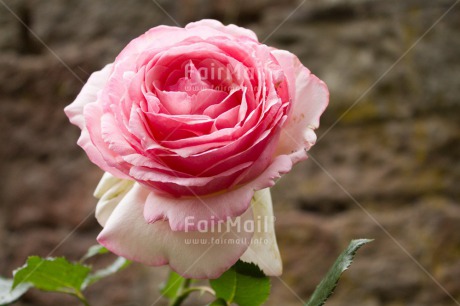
<point x="387" y="168"/>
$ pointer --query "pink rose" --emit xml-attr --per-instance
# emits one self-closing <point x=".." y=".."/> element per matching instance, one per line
<point x="189" y="123"/>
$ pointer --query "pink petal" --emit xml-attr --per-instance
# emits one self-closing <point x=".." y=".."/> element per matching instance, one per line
<point x="217" y="25"/>
<point x="233" y="99"/>
<point x="88" y="94"/>
<point x="245" y="148"/>
<point x="97" y="150"/>
<point x="210" y="208"/>
<point x="116" y="141"/>
<point x="128" y="235"/>
<point x="157" y="37"/>
<point x="150" y="175"/>
<point x="176" y="102"/>
<point x="206" y="98"/>
<point x="311" y="98"/>
<point x="176" y="186"/>
<point x="227" y="119"/>
<point x="227" y="141"/>
<point x="172" y="127"/>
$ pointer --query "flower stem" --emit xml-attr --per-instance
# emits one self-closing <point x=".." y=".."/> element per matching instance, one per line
<point x="186" y="290"/>
<point x="203" y="289"/>
<point x="82" y="298"/>
<point x="179" y="298"/>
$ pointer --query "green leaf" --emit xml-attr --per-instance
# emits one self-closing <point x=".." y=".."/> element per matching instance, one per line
<point x="325" y="289"/>
<point x="244" y="284"/>
<point x="52" y="274"/>
<point x="7" y="294"/>
<point x="119" y="264"/>
<point x="252" y="286"/>
<point x="173" y="285"/>
<point x="219" y="302"/>
<point x="248" y="269"/>
<point x="225" y="285"/>
<point x="93" y="251"/>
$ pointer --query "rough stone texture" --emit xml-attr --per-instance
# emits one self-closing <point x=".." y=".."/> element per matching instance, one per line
<point x="385" y="165"/>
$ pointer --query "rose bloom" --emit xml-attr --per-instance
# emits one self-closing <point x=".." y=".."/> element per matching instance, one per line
<point x="192" y="126"/>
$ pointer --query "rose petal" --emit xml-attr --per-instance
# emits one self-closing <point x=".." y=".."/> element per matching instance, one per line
<point x="311" y="99"/>
<point x="227" y="119"/>
<point x="229" y="29"/>
<point x="110" y="191"/>
<point x="114" y="138"/>
<point x="176" y="102"/>
<point x="233" y="99"/>
<point x="263" y="250"/>
<point x="210" y="208"/>
<point x="88" y="94"/>
<point x="205" y="98"/>
<point x="166" y="127"/>
<point x="230" y="156"/>
<point x="148" y="170"/>
<point x="128" y="235"/>
<point x="228" y="140"/>
<point x="97" y="150"/>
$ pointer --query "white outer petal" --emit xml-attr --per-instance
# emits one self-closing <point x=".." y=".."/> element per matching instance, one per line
<point x="110" y="191"/>
<point x="264" y="255"/>
<point x="127" y="234"/>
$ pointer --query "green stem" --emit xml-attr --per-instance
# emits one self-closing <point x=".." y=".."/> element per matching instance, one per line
<point x="176" y="301"/>
<point x="186" y="290"/>
<point x="186" y="283"/>
<point x="82" y="298"/>
<point x="201" y="289"/>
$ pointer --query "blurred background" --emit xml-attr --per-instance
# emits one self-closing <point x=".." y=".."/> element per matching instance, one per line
<point x="386" y="165"/>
